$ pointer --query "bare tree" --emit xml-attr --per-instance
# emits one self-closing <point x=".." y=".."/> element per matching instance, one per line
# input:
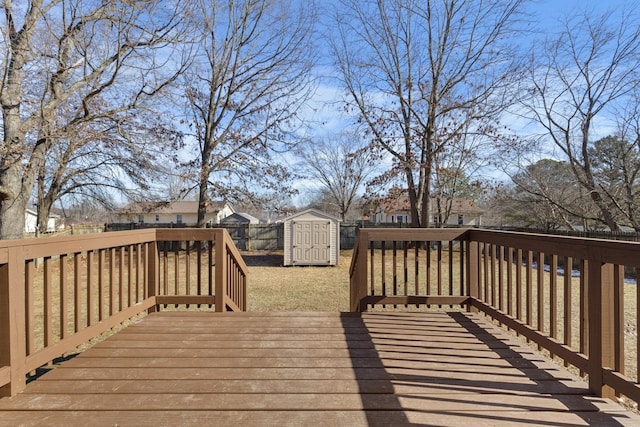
<point x="575" y="81"/>
<point x="546" y="195"/>
<point x="420" y="74"/>
<point x="243" y="93"/>
<point x="340" y="165"/>
<point x="616" y="169"/>
<point x="71" y="54"/>
<point x="456" y="166"/>
<point x="122" y="154"/>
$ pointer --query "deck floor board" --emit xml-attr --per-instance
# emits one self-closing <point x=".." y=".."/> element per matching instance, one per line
<point x="197" y="368"/>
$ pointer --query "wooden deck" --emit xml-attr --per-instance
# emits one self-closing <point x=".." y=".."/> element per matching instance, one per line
<point x="435" y="369"/>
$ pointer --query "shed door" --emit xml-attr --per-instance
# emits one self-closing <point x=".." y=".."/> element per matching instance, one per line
<point x="311" y="242"/>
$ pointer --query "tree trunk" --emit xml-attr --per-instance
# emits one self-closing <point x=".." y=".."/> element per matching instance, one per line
<point x="203" y="197"/>
<point x="413" y="200"/>
<point x="12" y="219"/>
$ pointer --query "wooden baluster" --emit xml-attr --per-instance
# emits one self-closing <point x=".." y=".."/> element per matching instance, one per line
<point x="583" y="323"/>
<point x="30" y="325"/>
<point x="500" y="259"/>
<point x="618" y="318"/>
<point x="416" y="279"/>
<point x="510" y="281"/>
<point x="383" y="270"/>
<point x="428" y="271"/>
<point x="187" y="267"/>
<point x="519" y="258"/>
<point x="77" y="314"/>
<point x="64" y="297"/>
<point x="100" y="284"/>
<point x="450" y="251"/>
<point x="394" y="270"/>
<point x="540" y="292"/>
<point x="529" y="289"/>
<point x="211" y="267"/>
<point x="112" y="281"/>
<point x="199" y="267"/>
<point x="568" y="302"/>
<point x="176" y="265"/>
<point x="439" y="268"/>
<point x="553" y="297"/>
<point x="90" y="290"/>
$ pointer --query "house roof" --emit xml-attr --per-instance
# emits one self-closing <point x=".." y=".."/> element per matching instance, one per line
<point x="460" y="205"/>
<point x="177" y="207"/>
<point x="402" y="204"/>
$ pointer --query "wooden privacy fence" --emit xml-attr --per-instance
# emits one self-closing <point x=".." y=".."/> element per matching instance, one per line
<point x="576" y="298"/>
<point x="86" y="285"/>
<point x="251" y="237"/>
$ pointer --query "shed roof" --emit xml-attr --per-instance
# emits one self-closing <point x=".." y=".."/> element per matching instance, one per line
<point x="313" y="212"/>
<point x="240" y="217"/>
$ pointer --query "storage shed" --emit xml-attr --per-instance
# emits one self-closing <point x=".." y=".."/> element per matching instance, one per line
<point x="240" y="218"/>
<point x="311" y="237"/>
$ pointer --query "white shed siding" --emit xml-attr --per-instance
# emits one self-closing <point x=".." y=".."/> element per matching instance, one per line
<point x="311" y="218"/>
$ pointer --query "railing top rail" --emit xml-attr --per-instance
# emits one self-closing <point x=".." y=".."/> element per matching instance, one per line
<point x="231" y="248"/>
<point x="413" y="234"/>
<point x="608" y="251"/>
<point x="51" y="246"/>
<point x="167" y="234"/>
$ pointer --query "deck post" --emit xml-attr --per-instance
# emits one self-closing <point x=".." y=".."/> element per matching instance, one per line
<point x="221" y="269"/>
<point x="153" y="265"/>
<point x="473" y="271"/>
<point x="12" y="321"/>
<point x="361" y="273"/>
<point x="600" y="328"/>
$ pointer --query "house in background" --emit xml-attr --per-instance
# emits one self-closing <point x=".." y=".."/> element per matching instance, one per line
<point x="31" y="222"/>
<point x="463" y="212"/>
<point x="180" y="212"/>
<point x="396" y="210"/>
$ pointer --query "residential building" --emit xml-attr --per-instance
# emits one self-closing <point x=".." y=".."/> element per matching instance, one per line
<point x="179" y="212"/>
<point x="463" y="212"/>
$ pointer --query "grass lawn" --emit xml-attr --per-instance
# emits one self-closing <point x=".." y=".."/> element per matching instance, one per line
<point x="272" y="287"/>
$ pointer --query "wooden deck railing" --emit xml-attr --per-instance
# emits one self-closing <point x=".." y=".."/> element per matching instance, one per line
<point x="58" y="293"/>
<point x="575" y="298"/>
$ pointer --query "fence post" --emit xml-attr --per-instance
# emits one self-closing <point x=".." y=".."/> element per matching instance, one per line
<point x="221" y="268"/>
<point x="12" y="321"/>
<point x="600" y="328"/>
<point x="473" y="255"/>
<point x="153" y="265"/>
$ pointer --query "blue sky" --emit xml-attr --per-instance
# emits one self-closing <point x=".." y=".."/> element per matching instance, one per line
<point x="549" y="10"/>
<point x="326" y="107"/>
<point x="546" y="13"/>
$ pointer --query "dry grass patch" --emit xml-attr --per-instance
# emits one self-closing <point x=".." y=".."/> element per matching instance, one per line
<point x="273" y="287"/>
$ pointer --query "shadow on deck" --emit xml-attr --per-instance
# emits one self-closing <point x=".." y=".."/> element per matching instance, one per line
<point x="430" y="369"/>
